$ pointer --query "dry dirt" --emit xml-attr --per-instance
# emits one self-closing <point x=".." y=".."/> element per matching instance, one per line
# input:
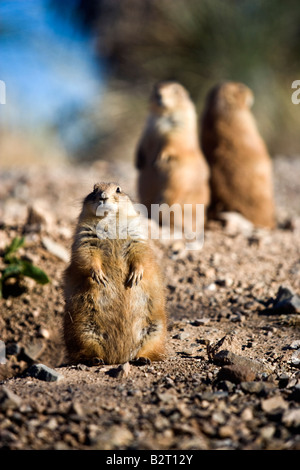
<point x="242" y="393"/>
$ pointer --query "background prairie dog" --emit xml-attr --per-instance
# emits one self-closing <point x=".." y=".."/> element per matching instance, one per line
<point x="240" y="166"/>
<point x="172" y="168"/>
<point x="114" y="295"/>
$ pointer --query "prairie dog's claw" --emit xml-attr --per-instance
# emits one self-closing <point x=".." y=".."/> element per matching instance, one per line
<point x="135" y="277"/>
<point x="99" y="277"/>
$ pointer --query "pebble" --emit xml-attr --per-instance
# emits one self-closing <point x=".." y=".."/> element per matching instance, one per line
<point x="247" y="414"/>
<point x="274" y="404"/>
<point x="253" y="387"/>
<point x="236" y="374"/>
<point x="286" y="302"/>
<point x="295" y="359"/>
<point x="295" y="344"/>
<point x="236" y="223"/>
<point x="291" y="418"/>
<point x="116" y="437"/>
<point x="267" y="432"/>
<point x="56" y="249"/>
<point x="8" y="399"/>
<point x="43" y="372"/>
<point x="200" y="321"/>
<point x="123" y="370"/>
<point x="242" y="363"/>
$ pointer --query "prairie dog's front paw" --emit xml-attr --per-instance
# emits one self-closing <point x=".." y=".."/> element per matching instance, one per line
<point x="98" y="276"/>
<point x="135" y="275"/>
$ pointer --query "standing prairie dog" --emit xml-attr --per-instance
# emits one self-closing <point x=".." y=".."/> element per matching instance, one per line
<point x="115" y="304"/>
<point x="240" y="166"/>
<point x="172" y="168"/>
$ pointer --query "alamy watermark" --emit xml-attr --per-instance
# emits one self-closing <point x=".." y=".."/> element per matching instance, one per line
<point x="2" y="352"/>
<point x="176" y="222"/>
<point x="2" y="92"/>
<point x="296" y="94"/>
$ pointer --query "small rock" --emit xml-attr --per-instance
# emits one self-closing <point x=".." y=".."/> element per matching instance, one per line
<point x="247" y="414"/>
<point x="226" y="431"/>
<point x="200" y="321"/>
<point x="236" y="374"/>
<point x="229" y="342"/>
<point x="295" y="359"/>
<point x="291" y="418"/>
<point x="274" y="404"/>
<point x="44" y="332"/>
<point x="182" y="335"/>
<point x="234" y="223"/>
<point x="32" y="351"/>
<point x="43" y="372"/>
<point x="116" y="437"/>
<point x="51" y="424"/>
<point x="76" y="409"/>
<point x="253" y="387"/>
<point x="285" y="302"/>
<point x="8" y="399"/>
<point x="267" y="432"/>
<point x="56" y="249"/>
<point x="296" y="393"/>
<point x="226" y="282"/>
<point x="123" y="370"/>
<point x="295" y="344"/>
<point x="283" y="379"/>
<point x="255" y="368"/>
<point x="13" y="349"/>
<point x="38" y="217"/>
<point x="211" y="287"/>
<point x="167" y="397"/>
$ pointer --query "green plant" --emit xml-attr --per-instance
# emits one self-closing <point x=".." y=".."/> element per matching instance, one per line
<point x="17" y="267"/>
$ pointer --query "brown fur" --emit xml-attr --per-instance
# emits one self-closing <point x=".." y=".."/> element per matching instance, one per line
<point x="115" y="304"/>
<point x="172" y="168"/>
<point x="240" y="166"/>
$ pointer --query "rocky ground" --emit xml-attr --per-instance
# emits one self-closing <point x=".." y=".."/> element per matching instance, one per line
<point x="232" y="376"/>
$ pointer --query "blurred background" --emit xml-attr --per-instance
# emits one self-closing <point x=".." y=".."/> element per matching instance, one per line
<point x="78" y="73"/>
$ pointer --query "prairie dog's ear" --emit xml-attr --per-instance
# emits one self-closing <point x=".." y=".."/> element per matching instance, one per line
<point x="96" y="186"/>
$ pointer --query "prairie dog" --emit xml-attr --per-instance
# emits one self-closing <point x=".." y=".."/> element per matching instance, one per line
<point x="114" y="295"/>
<point x="240" y="166"/>
<point x="172" y="168"/>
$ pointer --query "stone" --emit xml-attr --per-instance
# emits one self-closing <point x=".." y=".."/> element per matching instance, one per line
<point x="247" y="414"/>
<point x="267" y="432"/>
<point x="291" y="418"/>
<point x="116" y="437"/>
<point x="229" y="342"/>
<point x="236" y="374"/>
<point x="8" y="399"/>
<point x="123" y="370"/>
<point x="76" y="409"/>
<point x="255" y="368"/>
<point x="200" y="321"/>
<point x="286" y="302"/>
<point x="253" y="387"/>
<point x="295" y="344"/>
<point x="182" y="335"/>
<point x="295" y="359"/>
<point x="43" y="372"/>
<point x="274" y="404"/>
<point x="234" y="223"/>
<point x="56" y="249"/>
<point x="31" y="352"/>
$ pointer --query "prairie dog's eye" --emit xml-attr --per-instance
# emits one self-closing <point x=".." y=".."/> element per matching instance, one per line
<point x="118" y="190"/>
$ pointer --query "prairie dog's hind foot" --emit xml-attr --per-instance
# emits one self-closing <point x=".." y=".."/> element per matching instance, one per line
<point x="93" y="361"/>
<point x="141" y="361"/>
